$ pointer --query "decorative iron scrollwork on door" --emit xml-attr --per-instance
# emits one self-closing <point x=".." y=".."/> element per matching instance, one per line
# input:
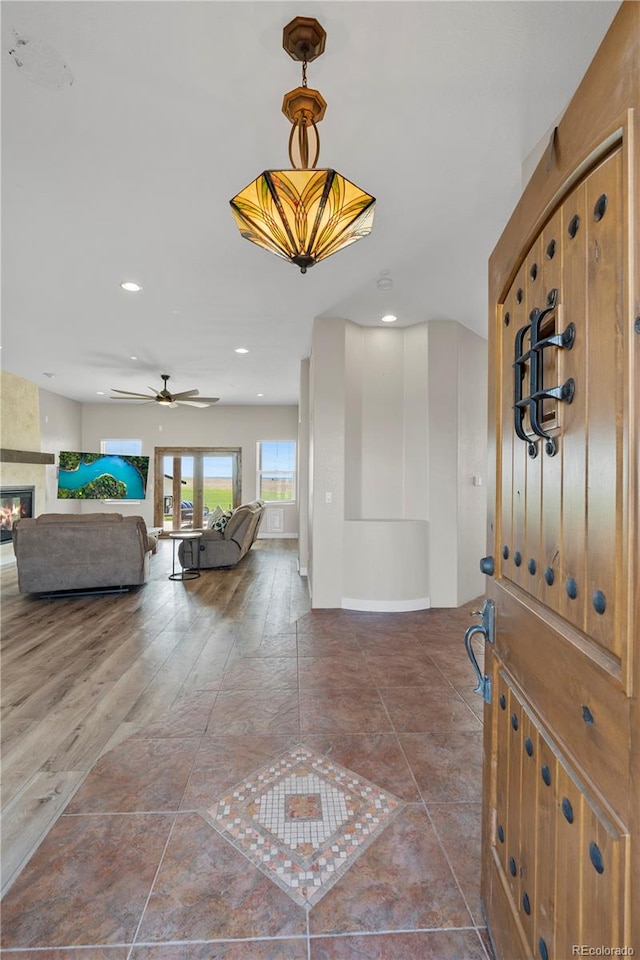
<point x="531" y="361"/>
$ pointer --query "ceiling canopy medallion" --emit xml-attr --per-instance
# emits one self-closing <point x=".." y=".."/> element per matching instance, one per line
<point x="303" y="215"/>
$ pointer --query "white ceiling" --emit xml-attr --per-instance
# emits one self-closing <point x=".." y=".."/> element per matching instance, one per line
<point x="175" y="106"/>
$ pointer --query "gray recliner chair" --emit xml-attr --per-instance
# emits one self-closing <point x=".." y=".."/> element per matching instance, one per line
<point x="225" y="548"/>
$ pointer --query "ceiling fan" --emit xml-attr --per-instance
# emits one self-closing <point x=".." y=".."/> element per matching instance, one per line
<point x="188" y="398"/>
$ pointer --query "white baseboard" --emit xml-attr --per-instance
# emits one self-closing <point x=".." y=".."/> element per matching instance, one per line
<point x="386" y="606"/>
<point x="7" y="556"/>
<point x="277" y="536"/>
<point x="303" y="571"/>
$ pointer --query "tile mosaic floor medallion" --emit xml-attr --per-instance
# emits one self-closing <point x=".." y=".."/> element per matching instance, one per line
<point x="303" y="821"/>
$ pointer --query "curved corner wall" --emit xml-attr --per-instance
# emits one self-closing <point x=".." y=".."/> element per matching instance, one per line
<point x="386" y="565"/>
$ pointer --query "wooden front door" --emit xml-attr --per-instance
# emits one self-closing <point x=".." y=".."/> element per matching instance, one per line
<point x="561" y="802"/>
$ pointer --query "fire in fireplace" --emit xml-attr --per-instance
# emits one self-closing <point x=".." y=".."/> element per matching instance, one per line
<point x="15" y="502"/>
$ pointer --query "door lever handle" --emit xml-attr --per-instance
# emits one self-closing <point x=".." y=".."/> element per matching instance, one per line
<point x="487" y="629"/>
<point x="483" y="687"/>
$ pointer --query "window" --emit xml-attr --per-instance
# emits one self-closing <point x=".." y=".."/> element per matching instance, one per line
<point x="125" y="448"/>
<point x="276" y="471"/>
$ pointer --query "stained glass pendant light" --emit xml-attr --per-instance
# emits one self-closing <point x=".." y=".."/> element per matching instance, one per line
<point x="303" y="215"/>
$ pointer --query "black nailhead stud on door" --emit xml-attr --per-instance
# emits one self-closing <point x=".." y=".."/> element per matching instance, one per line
<point x="526" y="905"/>
<point x="551" y="250"/>
<point x="503" y="701"/>
<point x="587" y="716"/>
<point x="595" y="856"/>
<point x="514" y="721"/>
<point x="505" y="553"/>
<point x="512" y="867"/>
<point x="517" y="558"/>
<point x="519" y="295"/>
<point x="572" y="588"/>
<point x="574" y="223"/>
<point x="542" y="949"/>
<point x="532" y="566"/>
<point x="600" y="207"/>
<point x="546" y="774"/>
<point x="567" y="809"/>
<point x="549" y="576"/>
<point x="528" y="745"/>
<point x="501" y="833"/>
<point x="599" y="602"/>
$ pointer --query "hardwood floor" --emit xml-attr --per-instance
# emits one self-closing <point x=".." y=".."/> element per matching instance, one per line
<point x="81" y="674"/>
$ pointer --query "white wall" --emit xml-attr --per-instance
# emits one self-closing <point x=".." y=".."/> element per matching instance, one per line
<point x="397" y="431"/>
<point x="233" y="426"/>
<point x="354" y="363"/>
<point x="327" y="439"/>
<point x="386" y="423"/>
<point x="416" y="422"/>
<point x="60" y="429"/>
<point x="443" y="461"/>
<point x="303" y="469"/>
<point x="457" y="453"/>
<point x="386" y="565"/>
<point x="382" y="487"/>
<point x="472" y="462"/>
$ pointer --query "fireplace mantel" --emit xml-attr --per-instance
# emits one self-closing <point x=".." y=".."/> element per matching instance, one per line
<point x="25" y="456"/>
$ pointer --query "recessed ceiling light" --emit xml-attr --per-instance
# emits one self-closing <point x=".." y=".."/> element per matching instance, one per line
<point x="241" y="350"/>
<point x="100" y="393"/>
<point x="259" y="394"/>
<point x="133" y="358"/>
<point x="389" y="318"/>
<point x="131" y="286"/>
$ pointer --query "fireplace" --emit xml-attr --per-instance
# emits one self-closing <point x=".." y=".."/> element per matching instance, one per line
<point x="15" y="502"/>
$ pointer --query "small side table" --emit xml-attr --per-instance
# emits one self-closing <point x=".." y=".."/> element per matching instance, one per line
<point x="186" y="573"/>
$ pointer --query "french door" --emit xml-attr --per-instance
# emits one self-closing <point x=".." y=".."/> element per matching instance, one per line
<point x="561" y="793"/>
<point x="190" y="482"/>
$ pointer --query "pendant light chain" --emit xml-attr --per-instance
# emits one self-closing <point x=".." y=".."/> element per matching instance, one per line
<point x="304" y="73"/>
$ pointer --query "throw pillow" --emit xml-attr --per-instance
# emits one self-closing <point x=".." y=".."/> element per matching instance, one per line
<point x="222" y="521"/>
<point x="213" y="517"/>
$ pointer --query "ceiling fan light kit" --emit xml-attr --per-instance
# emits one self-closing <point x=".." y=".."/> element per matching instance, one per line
<point x="304" y="214"/>
<point x="186" y="398"/>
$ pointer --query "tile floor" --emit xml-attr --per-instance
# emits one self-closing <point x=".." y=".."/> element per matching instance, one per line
<point x="134" y="871"/>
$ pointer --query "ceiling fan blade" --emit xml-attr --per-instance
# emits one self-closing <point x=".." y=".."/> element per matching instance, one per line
<point x="186" y="394"/>
<point x="166" y="399"/>
<point x="141" y="396"/>
<point x="140" y="399"/>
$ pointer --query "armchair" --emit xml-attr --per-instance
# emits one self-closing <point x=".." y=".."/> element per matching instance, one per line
<point x="225" y="548"/>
